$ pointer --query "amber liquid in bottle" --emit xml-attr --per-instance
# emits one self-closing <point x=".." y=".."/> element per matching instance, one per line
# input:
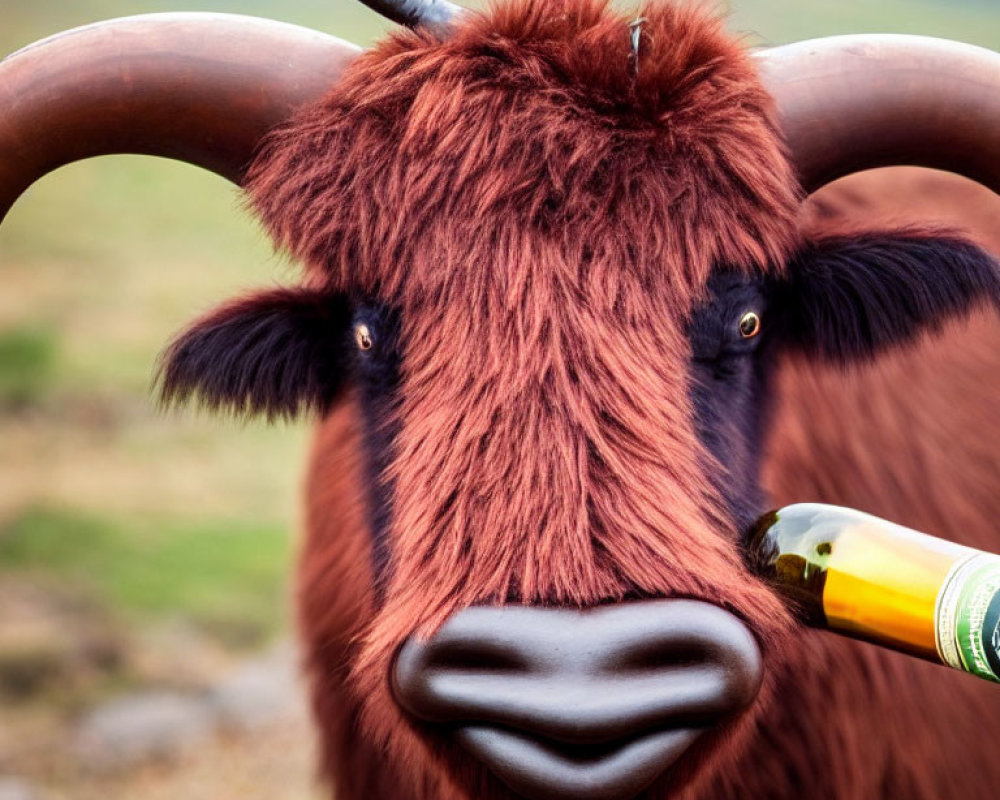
<point x="874" y="580"/>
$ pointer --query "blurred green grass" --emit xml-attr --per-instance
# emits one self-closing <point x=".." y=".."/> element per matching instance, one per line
<point x="772" y="22"/>
<point x="103" y="261"/>
<point x="223" y="576"/>
<point x="26" y="365"/>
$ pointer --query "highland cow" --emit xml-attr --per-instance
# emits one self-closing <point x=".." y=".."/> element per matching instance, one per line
<point x="569" y="330"/>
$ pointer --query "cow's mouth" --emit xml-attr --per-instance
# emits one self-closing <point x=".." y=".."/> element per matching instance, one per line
<point x="546" y="769"/>
<point x="590" y="705"/>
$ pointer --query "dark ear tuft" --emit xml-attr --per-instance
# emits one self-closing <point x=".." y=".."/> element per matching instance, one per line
<point x="276" y="352"/>
<point x="850" y="297"/>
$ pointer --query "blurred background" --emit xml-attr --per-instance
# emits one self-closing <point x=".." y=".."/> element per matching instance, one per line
<point x="145" y="635"/>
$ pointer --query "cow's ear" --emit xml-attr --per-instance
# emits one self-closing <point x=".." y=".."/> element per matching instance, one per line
<point x="277" y="353"/>
<point x="846" y="298"/>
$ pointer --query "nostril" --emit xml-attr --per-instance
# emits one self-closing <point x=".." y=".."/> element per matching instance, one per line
<point x="438" y="680"/>
<point x="482" y="656"/>
<point x="694" y="636"/>
<point x="651" y="655"/>
<point x="444" y="684"/>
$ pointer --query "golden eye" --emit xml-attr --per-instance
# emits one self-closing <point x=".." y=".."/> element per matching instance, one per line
<point x="749" y="325"/>
<point x="363" y="337"/>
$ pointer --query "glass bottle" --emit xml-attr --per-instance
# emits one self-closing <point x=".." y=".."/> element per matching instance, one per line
<point x="874" y="580"/>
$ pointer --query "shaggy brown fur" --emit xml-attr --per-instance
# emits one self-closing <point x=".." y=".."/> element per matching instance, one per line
<point x="544" y="215"/>
<point x="544" y="212"/>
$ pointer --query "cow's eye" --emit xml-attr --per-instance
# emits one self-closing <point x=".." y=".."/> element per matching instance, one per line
<point x="749" y="324"/>
<point x="363" y="337"/>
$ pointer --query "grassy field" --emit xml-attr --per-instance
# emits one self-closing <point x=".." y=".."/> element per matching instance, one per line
<point x="148" y="518"/>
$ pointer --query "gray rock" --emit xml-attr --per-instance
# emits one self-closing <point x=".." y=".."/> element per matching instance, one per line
<point x="6" y="749"/>
<point x="15" y="789"/>
<point x="142" y="728"/>
<point x="260" y="693"/>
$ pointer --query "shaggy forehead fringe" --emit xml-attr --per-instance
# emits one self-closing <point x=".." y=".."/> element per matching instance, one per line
<point x="535" y="119"/>
<point x="543" y="207"/>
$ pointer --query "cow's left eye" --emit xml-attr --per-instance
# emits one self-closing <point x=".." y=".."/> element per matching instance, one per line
<point x="749" y="324"/>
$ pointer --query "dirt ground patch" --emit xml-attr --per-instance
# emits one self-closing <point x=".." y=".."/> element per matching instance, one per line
<point x="274" y="763"/>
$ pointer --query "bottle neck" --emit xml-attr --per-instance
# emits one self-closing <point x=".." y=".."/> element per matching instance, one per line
<point x="791" y="548"/>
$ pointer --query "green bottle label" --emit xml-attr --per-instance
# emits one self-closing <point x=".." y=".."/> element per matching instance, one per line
<point x="967" y="616"/>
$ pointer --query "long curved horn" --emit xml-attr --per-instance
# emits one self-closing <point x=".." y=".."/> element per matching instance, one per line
<point x="434" y="13"/>
<point x="849" y="103"/>
<point x="204" y="87"/>
<point x="201" y="88"/>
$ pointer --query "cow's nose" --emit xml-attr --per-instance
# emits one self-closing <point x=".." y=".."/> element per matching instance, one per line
<point x="590" y="705"/>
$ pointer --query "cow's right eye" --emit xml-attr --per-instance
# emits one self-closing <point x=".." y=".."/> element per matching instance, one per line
<point x="375" y="333"/>
<point x="749" y="324"/>
<point x="363" y="337"/>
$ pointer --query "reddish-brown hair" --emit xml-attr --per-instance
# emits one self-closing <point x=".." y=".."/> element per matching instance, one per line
<point x="543" y="208"/>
